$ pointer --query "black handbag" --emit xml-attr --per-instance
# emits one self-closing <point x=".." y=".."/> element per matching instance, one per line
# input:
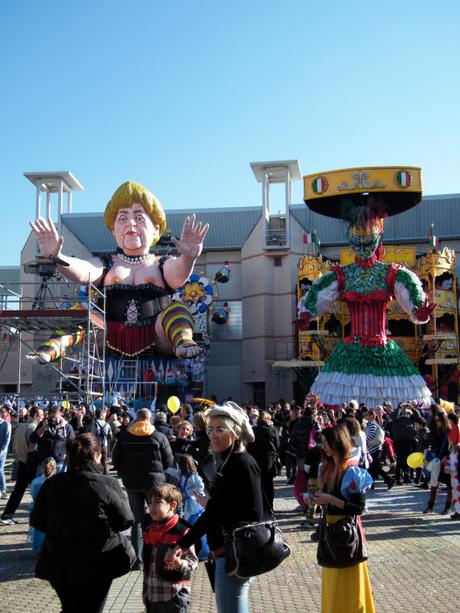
<point x="254" y="548"/>
<point x="119" y="560"/>
<point x="341" y="544"/>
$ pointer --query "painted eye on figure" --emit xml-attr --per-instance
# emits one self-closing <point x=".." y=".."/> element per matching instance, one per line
<point x="139" y="217"/>
<point x="122" y="218"/>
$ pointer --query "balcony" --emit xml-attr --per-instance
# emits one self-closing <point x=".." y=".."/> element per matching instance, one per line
<point x="276" y="236"/>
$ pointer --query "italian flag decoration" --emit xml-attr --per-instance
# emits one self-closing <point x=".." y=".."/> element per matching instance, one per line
<point x="403" y="179"/>
<point x="320" y="185"/>
<point x="309" y="238"/>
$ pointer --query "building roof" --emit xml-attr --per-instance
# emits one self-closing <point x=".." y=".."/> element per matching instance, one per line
<point x="229" y="227"/>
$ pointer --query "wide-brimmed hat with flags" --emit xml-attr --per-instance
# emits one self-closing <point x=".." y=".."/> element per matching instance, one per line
<point x="383" y="190"/>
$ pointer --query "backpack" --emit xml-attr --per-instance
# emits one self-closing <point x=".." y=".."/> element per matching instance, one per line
<point x="103" y="432"/>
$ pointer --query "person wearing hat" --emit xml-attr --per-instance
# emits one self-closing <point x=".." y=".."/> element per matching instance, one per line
<point x="235" y="497"/>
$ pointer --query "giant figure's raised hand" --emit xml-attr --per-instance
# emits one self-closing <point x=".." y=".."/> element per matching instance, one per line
<point x="49" y="241"/>
<point x="192" y="236"/>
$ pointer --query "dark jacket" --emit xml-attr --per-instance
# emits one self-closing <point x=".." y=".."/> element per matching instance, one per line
<point x="164" y="428"/>
<point x="87" y="424"/>
<point x="438" y="440"/>
<point x="81" y="514"/>
<point x="201" y="452"/>
<point x="265" y="448"/>
<point x="402" y="428"/>
<point x="141" y="456"/>
<point x="184" y="445"/>
<point x="300" y="435"/>
<point x="422" y="439"/>
<point x="313" y="459"/>
<point x="53" y="442"/>
<point x="235" y="497"/>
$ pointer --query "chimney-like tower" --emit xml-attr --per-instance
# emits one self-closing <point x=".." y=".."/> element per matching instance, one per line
<point x="54" y="183"/>
<point x="277" y="232"/>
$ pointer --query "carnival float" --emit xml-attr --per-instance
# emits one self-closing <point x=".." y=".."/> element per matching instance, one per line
<point x="365" y="323"/>
<point x="133" y="323"/>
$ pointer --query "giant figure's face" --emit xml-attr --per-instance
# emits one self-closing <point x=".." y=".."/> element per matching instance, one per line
<point x="364" y="241"/>
<point x="134" y="231"/>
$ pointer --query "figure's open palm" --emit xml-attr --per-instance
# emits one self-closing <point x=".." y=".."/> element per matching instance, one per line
<point x="49" y="241"/>
<point x="190" y="244"/>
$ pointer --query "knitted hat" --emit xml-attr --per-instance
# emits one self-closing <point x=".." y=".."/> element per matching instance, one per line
<point x="235" y="413"/>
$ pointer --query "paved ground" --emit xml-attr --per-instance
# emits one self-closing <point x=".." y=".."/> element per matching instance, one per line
<point x="414" y="564"/>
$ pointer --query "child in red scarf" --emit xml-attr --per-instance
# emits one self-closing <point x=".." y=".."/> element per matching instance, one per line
<point x="166" y="589"/>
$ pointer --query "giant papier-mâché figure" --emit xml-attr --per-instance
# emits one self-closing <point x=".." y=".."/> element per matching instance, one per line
<point x="140" y="312"/>
<point x="366" y="365"/>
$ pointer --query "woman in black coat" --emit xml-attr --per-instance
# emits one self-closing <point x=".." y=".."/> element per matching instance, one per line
<point x="235" y="497"/>
<point x="82" y="513"/>
<point x="265" y="451"/>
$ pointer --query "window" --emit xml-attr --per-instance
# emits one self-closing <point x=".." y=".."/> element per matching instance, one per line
<point x="277" y="261"/>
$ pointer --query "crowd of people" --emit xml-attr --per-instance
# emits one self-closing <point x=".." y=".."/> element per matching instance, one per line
<point x="189" y="479"/>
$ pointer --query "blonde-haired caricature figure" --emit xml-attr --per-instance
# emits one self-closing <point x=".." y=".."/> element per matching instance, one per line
<point x="140" y="312"/>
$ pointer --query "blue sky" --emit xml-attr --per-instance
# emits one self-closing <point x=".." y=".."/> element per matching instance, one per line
<point x="182" y="96"/>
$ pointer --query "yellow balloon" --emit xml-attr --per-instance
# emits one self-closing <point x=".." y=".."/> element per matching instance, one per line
<point x="173" y="404"/>
<point x="416" y="460"/>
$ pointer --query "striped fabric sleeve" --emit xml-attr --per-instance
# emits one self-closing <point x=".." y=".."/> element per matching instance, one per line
<point x="371" y="433"/>
<point x="322" y="295"/>
<point x="371" y="430"/>
<point x="409" y="292"/>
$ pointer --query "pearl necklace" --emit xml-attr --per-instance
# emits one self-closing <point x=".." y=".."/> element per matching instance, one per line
<point x="133" y="260"/>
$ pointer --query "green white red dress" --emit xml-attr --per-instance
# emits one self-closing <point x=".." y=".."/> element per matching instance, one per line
<point x="367" y="365"/>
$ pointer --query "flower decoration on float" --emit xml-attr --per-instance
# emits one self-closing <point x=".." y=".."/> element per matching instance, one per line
<point x="197" y="293"/>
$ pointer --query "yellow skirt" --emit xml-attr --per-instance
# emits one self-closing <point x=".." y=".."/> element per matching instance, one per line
<point x="346" y="590"/>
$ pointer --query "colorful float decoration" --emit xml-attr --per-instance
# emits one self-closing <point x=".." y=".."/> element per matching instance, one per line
<point x="366" y="363"/>
<point x="56" y="347"/>
<point x="220" y="316"/>
<point x="198" y="292"/>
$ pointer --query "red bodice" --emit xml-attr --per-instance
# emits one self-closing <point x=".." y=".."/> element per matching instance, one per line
<point x="368" y="323"/>
<point x="367" y="311"/>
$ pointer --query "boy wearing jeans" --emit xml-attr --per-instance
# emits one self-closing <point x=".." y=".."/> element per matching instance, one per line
<point x="166" y="588"/>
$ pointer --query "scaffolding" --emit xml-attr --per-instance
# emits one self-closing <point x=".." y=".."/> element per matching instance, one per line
<point x="57" y="306"/>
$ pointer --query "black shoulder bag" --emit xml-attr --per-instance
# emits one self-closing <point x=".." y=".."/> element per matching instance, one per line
<point x="252" y="549"/>
<point x="341" y="544"/>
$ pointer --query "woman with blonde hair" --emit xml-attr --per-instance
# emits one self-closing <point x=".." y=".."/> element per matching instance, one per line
<point x="235" y="497"/>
